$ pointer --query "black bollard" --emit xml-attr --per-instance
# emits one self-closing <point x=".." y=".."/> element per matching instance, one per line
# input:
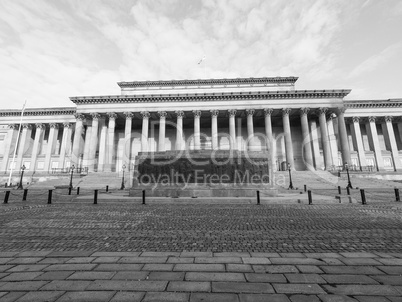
<point x="78" y="190"/>
<point x="69" y="190"/>
<point x="107" y="188"/>
<point x="143" y="196"/>
<point x="258" y="197"/>
<point x="310" y="199"/>
<point x="397" y="198"/>
<point x="6" y="184"/>
<point x="95" y="196"/>
<point x="305" y="188"/>
<point x="348" y="190"/>
<point x="49" y="197"/>
<point x="339" y="190"/>
<point x="24" y="196"/>
<point x="6" y="196"/>
<point x="363" y="195"/>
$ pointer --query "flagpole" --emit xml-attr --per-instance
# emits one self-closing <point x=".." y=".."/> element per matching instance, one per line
<point x="16" y="145"/>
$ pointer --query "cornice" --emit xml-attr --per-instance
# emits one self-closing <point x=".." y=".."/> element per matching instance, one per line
<point x="204" y="97"/>
<point x="203" y="82"/>
<point x="39" y="112"/>
<point x="390" y="103"/>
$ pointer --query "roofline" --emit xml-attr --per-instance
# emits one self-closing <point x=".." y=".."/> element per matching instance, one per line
<point x="39" y="111"/>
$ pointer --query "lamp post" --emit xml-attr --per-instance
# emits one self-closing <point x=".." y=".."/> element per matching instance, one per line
<point x="347" y="172"/>
<point x="22" y="175"/>
<point x="290" y="177"/>
<point x="122" y="180"/>
<point x="71" y="176"/>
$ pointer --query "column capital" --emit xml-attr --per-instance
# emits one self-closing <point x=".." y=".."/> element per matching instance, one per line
<point x="356" y="119"/>
<point x="129" y="115"/>
<point x="214" y="113"/>
<point x="332" y="116"/>
<point x="250" y="112"/>
<point x="286" y="111"/>
<point x="12" y="126"/>
<point x="27" y="126"/>
<point x="388" y="118"/>
<point x="95" y="115"/>
<point x="304" y="110"/>
<point x="268" y="111"/>
<point x="79" y="116"/>
<point x="40" y="126"/>
<point x="232" y="112"/>
<point x="197" y="113"/>
<point x="341" y="109"/>
<point x="145" y="114"/>
<point x="322" y="110"/>
<point x="179" y="113"/>
<point x="162" y="114"/>
<point x="111" y="115"/>
<point x="54" y="125"/>
<point x="371" y="119"/>
<point x="67" y="125"/>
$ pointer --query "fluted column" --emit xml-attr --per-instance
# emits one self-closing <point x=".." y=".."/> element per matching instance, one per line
<point x="75" y="156"/>
<point x="270" y="140"/>
<point x="232" y="128"/>
<point x="37" y="142"/>
<point x="197" y="130"/>
<point x="343" y="136"/>
<point x="110" y="141"/>
<point x="392" y="141"/>
<point x="179" y="130"/>
<point x="332" y="139"/>
<point x="127" y="139"/>
<point x="250" y="128"/>
<point x="102" y="145"/>
<point x="93" y="141"/>
<point x="214" y="129"/>
<point x="144" y="136"/>
<point x="25" y="135"/>
<point x="162" y="131"/>
<point x="324" y="138"/>
<point x="51" y="142"/>
<point x="9" y="145"/>
<point x="65" y="144"/>
<point x="373" y="138"/>
<point x="288" y="137"/>
<point x="318" y="163"/>
<point x="359" y="142"/>
<point x="306" y="144"/>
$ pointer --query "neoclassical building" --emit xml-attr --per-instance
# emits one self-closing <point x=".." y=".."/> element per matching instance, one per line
<point x="308" y="129"/>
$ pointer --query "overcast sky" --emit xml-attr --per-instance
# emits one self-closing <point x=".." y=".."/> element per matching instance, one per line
<point x="51" y="50"/>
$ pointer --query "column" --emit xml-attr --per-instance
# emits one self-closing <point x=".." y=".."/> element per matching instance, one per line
<point x="110" y="141"/>
<point x="65" y="144"/>
<point x="144" y="137"/>
<point x="332" y="140"/>
<point x="51" y="142"/>
<point x="127" y="139"/>
<point x="250" y="129"/>
<point x="214" y="129"/>
<point x="232" y="128"/>
<point x="270" y="139"/>
<point x="239" y="135"/>
<point x="359" y="142"/>
<point x="288" y="138"/>
<point x="306" y="145"/>
<point x="93" y="141"/>
<point x="375" y="143"/>
<point x="162" y="131"/>
<point x="343" y="137"/>
<point x="9" y="145"/>
<point x="179" y="130"/>
<point x="324" y="138"/>
<point x="25" y="135"/>
<point x="75" y="156"/>
<point x="392" y="141"/>
<point x="319" y="165"/>
<point x="87" y="143"/>
<point x="37" y="142"/>
<point x="197" y="131"/>
<point x="102" y="145"/>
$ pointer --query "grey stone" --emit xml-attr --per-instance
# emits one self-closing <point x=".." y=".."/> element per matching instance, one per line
<point x="21" y="276"/>
<point x="308" y="289"/>
<point x="351" y="270"/>
<point x="55" y="275"/>
<point x="189" y="286"/>
<point x="204" y="276"/>
<point x="166" y="297"/>
<point x="41" y="296"/>
<point x="128" y="297"/>
<point x="213" y="297"/>
<point x="242" y="287"/>
<point x="218" y="260"/>
<point x="369" y="290"/>
<point x="68" y="285"/>
<point x="305" y="278"/>
<point x="263" y="298"/>
<point x="127" y="285"/>
<point x="269" y="278"/>
<point x="349" y="279"/>
<point x="199" y="267"/>
<point x="22" y="286"/>
<point x="130" y="275"/>
<point x="92" y="296"/>
<point x="158" y="267"/>
<point x="91" y="275"/>
<point x="118" y="267"/>
<point x="70" y="267"/>
<point x="275" y="269"/>
<point x="167" y="276"/>
<point x="233" y="267"/>
<point x="143" y="260"/>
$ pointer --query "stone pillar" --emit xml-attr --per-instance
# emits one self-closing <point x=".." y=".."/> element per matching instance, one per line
<point x="332" y="140"/>
<point x="102" y="145"/>
<point x="144" y="137"/>
<point x="270" y="139"/>
<point x="162" y="131"/>
<point x="324" y="138"/>
<point x="110" y="141"/>
<point x="343" y="137"/>
<point x="51" y="142"/>
<point x="179" y="130"/>
<point x="250" y="129"/>
<point x="87" y="143"/>
<point x="37" y="143"/>
<point x="127" y="139"/>
<point x="316" y="148"/>
<point x="9" y="145"/>
<point x="25" y="135"/>
<point x="239" y="135"/>
<point x="232" y="128"/>
<point x="93" y="142"/>
<point x="359" y="142"/>
<point x="392" y="141"/>
<point x="65" y="144"/>
<point x="214" y="129"/>
<point x="373" y="138"/>
<point x="288" y="138"/>
<point x="75" y="156"/>
<point x="306" y="144"/>
<point x="197" y="130"/>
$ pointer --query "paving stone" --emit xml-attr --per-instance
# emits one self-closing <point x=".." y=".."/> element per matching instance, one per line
<point x="143" y="260"/>
<point x="266" y="255"/>
<point x="119" y="267"/>
<point x="160" y="254"/>
<point x="54" y="260"/>
<point x="305" y="278"/>
<point x="242" y="287"/>
<point x="199" y="267"/>
<point x="308" y="289"/>
<point x="351" y="270"/>
<point x="395" y="299"/>
<point x="27" y="268"/>
<point x="130" y="275"/>
<point x="391" y="280"/>
<point x="383" y="255"/>
<point x="27" y="276"/>
<point x="91" y="275"/>
<point x="369" y="290"/>
<point x="304" y="298"/>
<point x="128" y="285"/>
<point x="158" y="267"/>
<point x="336" y="298"/>
<point x="390" y="261"/>
<point x="12" y="296"/>
<point x="166" y="276"/>
<point x="275" y="269"/>
<point x="22" y="286"/>
<point x="232" y="254"/>
<point x="4" y="268"/>
<point x="56" y="275"/>
<point x="263" y="298"/>
<point x="203" y="276"/>
<point x="358" y="255"/>
<point x="24" y="260"/>
<point x="3" y="294"/>
<point x="256" y="260"/>
<point x="81" y="260"/>
<point x="297" y="261"/>
<point x="8" y="254"/>
<point x="245" y="268"/>
<point x="361" y="261"/>
<point x="309" y="269"/>
<point x="93" y="296"/>
<point x="128" y="297"/>
<point x="115" y="254"/>
<point x="180" y="260"/>
<point x="391" y="270"/>
<point x="213" y="297"/>
<point x="106" y="260"/>
<point x="399" y="289"/>
<point x="41" y="296"/>
<point x="196" y="254"/>
<point x="349" y="279"/>
<point x="67" y="285"/>
<point x="3" y="275"/>
<point x="166" y="297"/>
<point x="33" y="254"/>
<point x="292" y="255"/>
<point x="5" y="260"/>
<point x="70" y="267"/>
<point x="371" y="299"/>
<point x="269" y="278"/>
<point x="218" y="260"/>
<point x="189" y="286"/>
<point x="70" y="254"/>
<point x="335" y="261"/>
<point x="322" y="255"/>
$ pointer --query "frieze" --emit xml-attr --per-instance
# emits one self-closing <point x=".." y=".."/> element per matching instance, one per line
<point x="39" y="112"/>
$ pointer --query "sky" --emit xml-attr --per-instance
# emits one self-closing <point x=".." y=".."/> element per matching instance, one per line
<point x="52" y="50"/>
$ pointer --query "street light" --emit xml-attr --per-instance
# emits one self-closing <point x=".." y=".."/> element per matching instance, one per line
<point x="71" y="176"/>
<point x="347" y="172"/>
<point x="122" y="180"/>
<point x="22" y="175"/>
<point x="290" y="177"/>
